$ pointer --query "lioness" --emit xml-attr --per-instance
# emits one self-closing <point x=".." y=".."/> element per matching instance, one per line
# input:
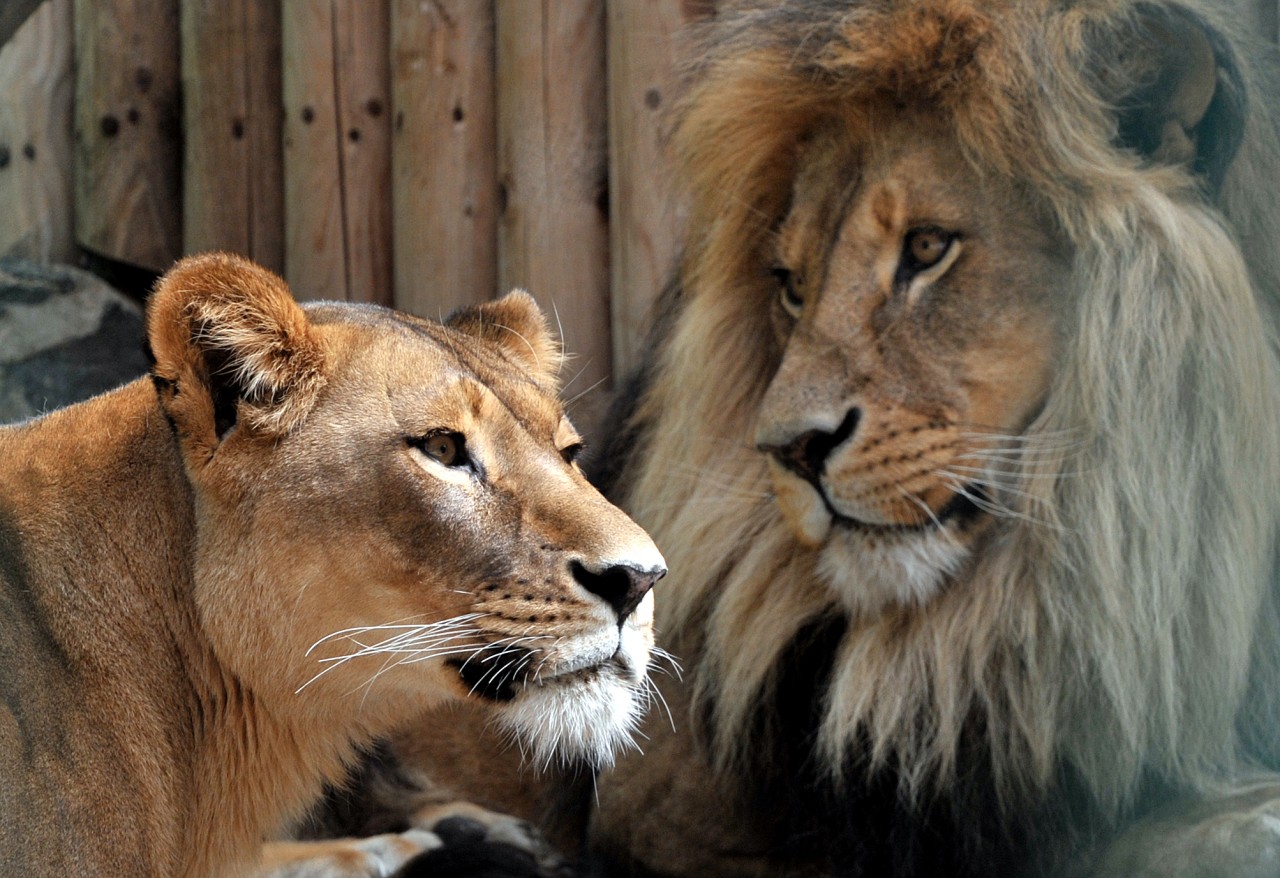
<point x="303" y="529"/>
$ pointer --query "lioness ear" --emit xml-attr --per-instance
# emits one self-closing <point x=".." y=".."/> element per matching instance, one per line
<point x="517" y="325"/>
<point x="231" y="348"/>
<point x="1182" y="98"/>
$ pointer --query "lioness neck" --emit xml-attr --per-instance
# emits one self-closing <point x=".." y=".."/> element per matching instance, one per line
<point x="114" y="655"/>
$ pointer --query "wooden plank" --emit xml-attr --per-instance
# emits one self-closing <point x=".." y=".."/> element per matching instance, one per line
<point x="36" y="88"/>
<point x="444" y="185"/>
<point x="13" y="13"/>
<point x="233" y="194"/>
<point x="128" y="174"/>
<point x="645" y="212"/>
<point x="337" y="149"/>
<point x="553" y="234"/>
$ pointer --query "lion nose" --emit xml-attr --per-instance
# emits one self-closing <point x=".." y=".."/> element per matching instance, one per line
<point x="806" y="454"/>
<point x="621" y="586"/>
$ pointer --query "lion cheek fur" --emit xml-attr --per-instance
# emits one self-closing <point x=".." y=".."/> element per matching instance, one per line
<point x="804" y="511"/>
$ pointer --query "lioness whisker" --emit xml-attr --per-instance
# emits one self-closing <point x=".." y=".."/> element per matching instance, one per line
<point x="652" y="692"/>
<point x="455" y="621"/>
<point x="660" y="654"/>
<point x="580" y="394"/>
<point x="394" y="661"/>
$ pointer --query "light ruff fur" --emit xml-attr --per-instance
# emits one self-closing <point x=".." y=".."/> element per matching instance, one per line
<point x="557" y="721"/>
<point x="1114" y="634"/>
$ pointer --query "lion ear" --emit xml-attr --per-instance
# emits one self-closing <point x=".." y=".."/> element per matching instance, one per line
<point x="518" y="327"/>
<point x="231" y="349"/>
<point x="1185" y="101"/>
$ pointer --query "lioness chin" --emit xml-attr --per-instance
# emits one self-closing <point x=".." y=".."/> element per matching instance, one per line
<point x="303" y="529"/>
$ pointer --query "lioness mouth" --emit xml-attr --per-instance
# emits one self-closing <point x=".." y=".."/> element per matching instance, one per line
<point x="492" y="671"/>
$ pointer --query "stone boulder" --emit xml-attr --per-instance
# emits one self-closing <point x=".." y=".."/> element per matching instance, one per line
<point x="64" y="336"/>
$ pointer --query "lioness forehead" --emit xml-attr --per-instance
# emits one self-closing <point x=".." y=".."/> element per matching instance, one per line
<point x="403" y="338"/>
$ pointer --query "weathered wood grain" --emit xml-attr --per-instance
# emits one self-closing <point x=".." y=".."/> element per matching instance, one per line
<point x="444" y="184"/>
<point x="36" y="86"/>
<point x="553" y="236"/>
<point x="645" y="211"/>
<point x="128" y="156"/>
<point x="337" y="149"/>
<point x="233" y="197"/>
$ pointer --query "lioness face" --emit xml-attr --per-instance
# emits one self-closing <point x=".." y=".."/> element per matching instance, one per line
<point x="918" y="332"/>
<point x="436" y="540"/>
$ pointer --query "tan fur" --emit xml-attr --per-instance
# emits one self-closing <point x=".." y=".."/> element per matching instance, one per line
<point x="1099" y="356"/>
<point x="196" y="572"/>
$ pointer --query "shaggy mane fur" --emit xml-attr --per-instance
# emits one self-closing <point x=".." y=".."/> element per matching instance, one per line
<point x="1128" y="624"/>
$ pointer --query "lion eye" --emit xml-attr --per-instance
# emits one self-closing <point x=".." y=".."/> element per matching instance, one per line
<point x="788" y="284"/>
<point x="925" y="248"/>
<point x="447" y="449"/>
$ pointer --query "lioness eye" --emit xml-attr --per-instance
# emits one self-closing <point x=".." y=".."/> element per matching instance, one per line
<point x="924" y="248"/>
<point x="571" y="453"/>
<point x="789" y="293"/>
<point x="444" y="448"/>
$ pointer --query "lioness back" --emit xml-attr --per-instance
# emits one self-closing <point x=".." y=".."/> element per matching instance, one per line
<point x="304" y="529"/>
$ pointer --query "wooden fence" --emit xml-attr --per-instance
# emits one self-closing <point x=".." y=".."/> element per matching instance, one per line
<point x="421" y="153"/>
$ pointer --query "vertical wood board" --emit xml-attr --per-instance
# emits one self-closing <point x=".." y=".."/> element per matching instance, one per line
<point x="444" y="186"/>
<point x="128" y="174"/>
<point x="337" y="147"/>
<point x="553" y="175"/>
<point x="645" y="213"/>
<point x="36" y="86"/>
<point x="233" y="196"/>
<point x="314" y="264"/>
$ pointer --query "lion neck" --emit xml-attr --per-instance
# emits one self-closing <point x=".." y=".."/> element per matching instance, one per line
<point x="208" y="767"/>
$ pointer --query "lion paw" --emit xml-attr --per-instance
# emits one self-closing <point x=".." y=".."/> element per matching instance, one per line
<point x="373" y="857"/>
<point x="479" y="843"/>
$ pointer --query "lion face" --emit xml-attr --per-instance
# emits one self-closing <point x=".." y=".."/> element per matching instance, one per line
<point x="417" y="529"/>
<point x="917" y="326"/>
<point x="501" y="573"/>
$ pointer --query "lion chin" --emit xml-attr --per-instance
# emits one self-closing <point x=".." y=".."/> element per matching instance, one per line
<point x="873" y="565"/>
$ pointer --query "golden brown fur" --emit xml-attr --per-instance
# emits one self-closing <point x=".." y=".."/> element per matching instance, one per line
<point x="303" y="530"/>
<point x="972" y="565"/>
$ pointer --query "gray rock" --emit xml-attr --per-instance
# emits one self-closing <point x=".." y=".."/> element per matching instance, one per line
<point x="64" y="336"/>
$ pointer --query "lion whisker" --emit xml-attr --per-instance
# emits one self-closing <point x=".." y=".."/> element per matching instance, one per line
<point x="989" y="503"/>
<point x="946" y="534"/>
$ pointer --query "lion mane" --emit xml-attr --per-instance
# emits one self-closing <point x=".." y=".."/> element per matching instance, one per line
<point x="1119" y="635"/>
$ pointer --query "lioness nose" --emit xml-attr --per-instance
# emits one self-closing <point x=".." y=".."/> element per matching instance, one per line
<point x="621" y="586"/>
<point x="806" y="454"/>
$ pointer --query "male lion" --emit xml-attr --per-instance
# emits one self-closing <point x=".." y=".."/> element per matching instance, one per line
<point x="960" y="433"/>
<point x="304" y="528"/>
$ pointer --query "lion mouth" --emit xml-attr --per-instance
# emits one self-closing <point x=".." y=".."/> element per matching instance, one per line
<point x="964" y="507"/>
